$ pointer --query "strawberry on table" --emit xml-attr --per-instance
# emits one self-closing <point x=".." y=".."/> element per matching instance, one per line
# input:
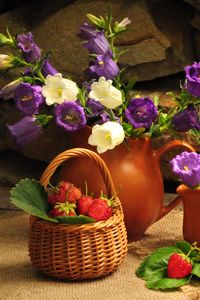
<point x="179" y="266"/>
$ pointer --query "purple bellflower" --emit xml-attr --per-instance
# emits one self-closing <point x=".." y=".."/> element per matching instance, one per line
<point x="25" y="131"/>
<point x="28" y="98"/>
<point x="141" y="112"/>
<point x="7" y="92"/>
<point x="187" y="166"/>
<point x="193" y="79"/>
<point x="104" y="66"/>
<point x="186" y="119"/>
<point x="48" y="69"/>
<point x="87" y="31"/>
<point x="98" y="115"/>
<point x="70" y="116"/>
<point x="97" y="44"/>
<point x="30" y="50"/>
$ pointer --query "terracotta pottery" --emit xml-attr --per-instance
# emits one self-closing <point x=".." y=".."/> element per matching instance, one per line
<point x="191" y="216"/>
<point x="137" y="178"/>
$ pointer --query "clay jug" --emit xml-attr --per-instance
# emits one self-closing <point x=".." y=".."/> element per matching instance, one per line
<point x="136" y="174"/>
<point x="191" y="213"/>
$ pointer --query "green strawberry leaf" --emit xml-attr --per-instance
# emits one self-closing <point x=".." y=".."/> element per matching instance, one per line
<point x="185" y="247"/>
<point x="196" y="269"/>
<point x="155" y="262"/>
<point x="80" y="219"/>
<point x="30" y="196"/>
<point x="166" y="283"/>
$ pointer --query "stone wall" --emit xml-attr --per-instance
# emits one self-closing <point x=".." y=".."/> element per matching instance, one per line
<point x="160" y="38"/>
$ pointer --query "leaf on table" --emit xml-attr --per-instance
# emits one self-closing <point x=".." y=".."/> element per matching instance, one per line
<point x="80" y="219"/>
<point x="196" y="269"/>
<point x="166" y="283"/>
<point x="30" y="196"/>
<point x="185" y="247"/>
<point x="155" y="261"/>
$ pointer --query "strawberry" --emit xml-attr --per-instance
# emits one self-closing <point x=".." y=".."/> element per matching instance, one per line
<point x="63" y="209"/>
<point x="65" y="191"/>
<point x="73" y="194"/>
<point x="100" y="210"/>
<point x="179" y="266"/>
<point x="56" y="212"/>
<point x="83" y="204"/>
<point x="64" y="185"/>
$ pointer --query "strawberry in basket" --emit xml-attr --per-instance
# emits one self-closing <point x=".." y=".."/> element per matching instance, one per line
<point x="65" y="191"/>
<point x="67" y="200"/>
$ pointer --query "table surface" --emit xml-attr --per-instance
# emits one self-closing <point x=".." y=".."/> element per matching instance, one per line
<point x="19" y="279"/>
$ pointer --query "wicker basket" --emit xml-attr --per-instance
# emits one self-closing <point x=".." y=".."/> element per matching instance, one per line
<point x="78" y="251"/>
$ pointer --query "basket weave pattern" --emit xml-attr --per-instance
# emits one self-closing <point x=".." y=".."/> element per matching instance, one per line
<point x="79" y="251"/>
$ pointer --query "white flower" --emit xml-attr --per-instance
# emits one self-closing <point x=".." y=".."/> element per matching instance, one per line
<point x="104" y="92"/>
<point x="106" y="136"/>
<point x="5" y="61"/>
<point x="124" y="22"/>
<point x="58" y="89"/>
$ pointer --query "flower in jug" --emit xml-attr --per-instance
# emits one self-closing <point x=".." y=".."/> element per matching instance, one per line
<point x="187" y="166"/>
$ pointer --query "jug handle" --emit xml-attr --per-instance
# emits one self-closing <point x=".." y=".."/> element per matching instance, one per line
<point x="158" y="153"/>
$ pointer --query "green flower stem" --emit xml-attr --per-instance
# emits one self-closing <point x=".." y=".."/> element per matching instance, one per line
<point x="39" y="73"/>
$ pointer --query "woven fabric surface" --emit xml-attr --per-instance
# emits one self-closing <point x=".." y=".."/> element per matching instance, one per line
<point x="19" y="280"/>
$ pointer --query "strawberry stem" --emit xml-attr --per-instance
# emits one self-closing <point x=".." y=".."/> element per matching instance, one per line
<point x="86" y="188"/>
<point x="53" y="187"/>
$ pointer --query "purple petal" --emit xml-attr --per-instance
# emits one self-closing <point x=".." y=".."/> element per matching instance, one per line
<point x="24" y="131"/>
<point x="30" y="50"/>
<point x="187" y="166"/>
<point x="141" y="112"/>
<point x="70" y="116"/>
<point x="193" y="79"/>
<point x="48" y="69"/>
<point x="28" y="98"/>
<point x="104" y="66"/>
<point x="87" y="31"/>
<point x="185" y="120"/>
<point x="97" y="44"/>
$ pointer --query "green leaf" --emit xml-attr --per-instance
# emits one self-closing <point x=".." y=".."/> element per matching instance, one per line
<point x="156" y="100"/>
<point x="196" y="269"/>
<point x="155" y="263"/>
<point x="185" y="247"/>
<point x="30" y="196"/>
<point x="166" y="283"/>
<point x="80" y="219"/>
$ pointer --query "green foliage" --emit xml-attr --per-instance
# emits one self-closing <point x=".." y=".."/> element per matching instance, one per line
<point x="153" y="269"/>
<point x="30" y="196"/>
<point x="80" y="219"/>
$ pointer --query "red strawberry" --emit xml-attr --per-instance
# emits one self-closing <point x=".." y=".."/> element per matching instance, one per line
<point x="65" y="191"/>
<point x="64" y="185"/>
<point x="100" y="210"/>
<point x="83" y="204"/>
<point x="179" y="266"/>
<point x="63" y="209"/>
<point x="73" y="194"/>
<point x="56" y="212"/>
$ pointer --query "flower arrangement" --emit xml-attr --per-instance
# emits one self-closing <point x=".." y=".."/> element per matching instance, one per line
<point x="187" y="166"/>
<point x="104" y="101"/>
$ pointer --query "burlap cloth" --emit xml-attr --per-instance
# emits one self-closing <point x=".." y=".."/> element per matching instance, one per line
<point x="19" y="280"/>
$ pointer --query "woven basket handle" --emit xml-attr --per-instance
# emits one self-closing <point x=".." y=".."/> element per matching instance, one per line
<point x="80" y="152"/>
